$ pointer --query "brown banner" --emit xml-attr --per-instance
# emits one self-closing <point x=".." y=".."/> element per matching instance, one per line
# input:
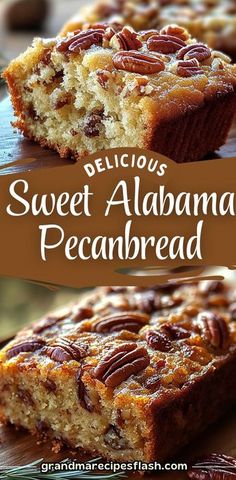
<point x="89" y="223"/>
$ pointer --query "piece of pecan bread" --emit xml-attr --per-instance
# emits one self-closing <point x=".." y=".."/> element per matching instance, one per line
<point x="109" y="87"/>
<point x="128" y="373"/>
<point x="210" y="21"/>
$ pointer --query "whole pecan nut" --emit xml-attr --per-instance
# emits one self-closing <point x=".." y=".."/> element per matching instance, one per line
<point x="64" y="350"/>
<point x="175" y="331"/>
<point x="215" y="329"/>
<point x="158" y="341"/>
<point x="126" y="40"/>
<point x="81" y="41"/>
<point x="165" y="44"/>
<point x="200" y="51"/>
<point x="213" y="467"/>
<point x="28" y="345"/>
<point x="189" y="68"/>
<point x="137" y="62"/>
<point x="146" y="34"/>
<point x="122" y="362"/>
<point x="176" y="31"/>
<point x="131" y="321"/>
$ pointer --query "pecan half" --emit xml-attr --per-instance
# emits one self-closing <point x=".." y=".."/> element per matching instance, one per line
<point x="122" y="362"/>
<point x="200" y="51"/>
<point x="176" y="31"/>
<point x="126" y="40"/>
<point x="215" y="329"/>
<point x="82" y="392"/>
<point x="64" y="350"/>
<point x="81" y="41"/>
<point x="158" y="341"/>
<point x="165" y="43"/>
<point x="213" y="467"/>
<point x="175" y="331"/>
<point x="103" y="26"/>
<point x="137" y="62"/>
<point x="189" y="68"/>
<point x="29" y="345"/>
<point x="130" y="321"/>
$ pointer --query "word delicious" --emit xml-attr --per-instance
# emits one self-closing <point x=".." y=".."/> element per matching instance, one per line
<point x="128" y="200"/>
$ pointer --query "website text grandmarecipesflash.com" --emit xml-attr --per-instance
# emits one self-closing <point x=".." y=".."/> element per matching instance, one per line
<point x="114" y="467"/>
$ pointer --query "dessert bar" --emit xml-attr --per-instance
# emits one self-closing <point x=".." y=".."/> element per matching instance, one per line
<point x="109" y="86"/>
<point x="126" y="373"/>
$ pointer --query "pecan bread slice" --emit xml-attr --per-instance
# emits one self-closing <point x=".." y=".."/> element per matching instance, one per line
<point x="128" y="373"/>
<point x="108" y="86"/>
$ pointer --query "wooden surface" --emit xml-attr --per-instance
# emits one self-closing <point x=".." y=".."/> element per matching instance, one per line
<point x="14" y="147"/>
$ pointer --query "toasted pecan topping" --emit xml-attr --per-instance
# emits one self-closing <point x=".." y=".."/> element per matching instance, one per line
<point x="158" y="341"/>
<point x="82" y="392"/>
<point x="146" y="34"/>
<point x="126" y="40"/>
<point x="165" y="44"/>
<point x="215" y="329"/>
<point x="121" y="363"/>
<point x="189" y="68"/>
<point x="64" y="350"/>
<point x="28" y="345"/>
<point x="176" y="31"/>
<point x="137" y="62"/>
<point x="131" y="321"/>
<point x="200" y="51"/>
<point x="175" y="331"/>
<point x="82" y="41"/>
<point x="115" y="26"/>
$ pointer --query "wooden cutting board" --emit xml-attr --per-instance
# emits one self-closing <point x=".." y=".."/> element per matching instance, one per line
<point x="14" y="147"/>
<point x="18" y="447"/>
